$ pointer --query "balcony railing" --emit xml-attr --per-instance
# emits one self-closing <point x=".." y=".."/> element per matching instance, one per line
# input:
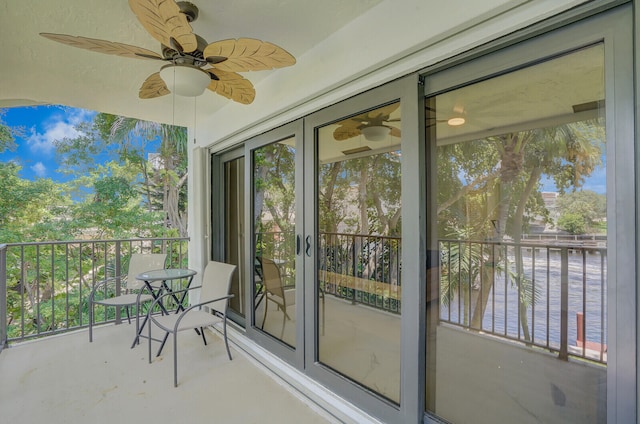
<point x="364" y="269"/>
<point x="44" y="286"/>
<point x="547" y="293"/>
<point x="540" y="293"/>
<point x="552" y="296"/>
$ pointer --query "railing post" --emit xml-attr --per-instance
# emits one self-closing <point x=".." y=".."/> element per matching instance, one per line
<point x="564" y="304"/>
<point x="354" y="265"/>
<point x="118" y="280"/>
<point x="3" y="296"/>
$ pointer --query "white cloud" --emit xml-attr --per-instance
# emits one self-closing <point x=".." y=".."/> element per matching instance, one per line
<point x="77" y="116"/>
<point x="39" y="169"/>
<point x="58" y="127"/>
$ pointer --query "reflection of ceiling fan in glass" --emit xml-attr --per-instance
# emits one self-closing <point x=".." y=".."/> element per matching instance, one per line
<point x="193" y="64"/>
<point x="373" y="125"/>
<point x="456" y="118"/>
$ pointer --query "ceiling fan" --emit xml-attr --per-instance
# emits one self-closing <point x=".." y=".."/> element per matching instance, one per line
<point x="458" y="116"/>
<point x="372" y="124"/>
<point x="193" y="63"/>
<point x="455" y="118"/>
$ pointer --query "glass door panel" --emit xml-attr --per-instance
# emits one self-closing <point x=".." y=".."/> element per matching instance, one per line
<point x="518" y="317"/>
<point x="359" y="248"/>
<point x="234" y="230"/>
<point x="274" y="221"/>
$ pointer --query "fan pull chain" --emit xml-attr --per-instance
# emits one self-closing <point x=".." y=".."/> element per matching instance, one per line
<point x="195" y="117"/>
<point x="173" y="99"/>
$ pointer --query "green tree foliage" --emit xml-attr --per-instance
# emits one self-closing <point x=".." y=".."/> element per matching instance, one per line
<point x="274" y="200"/>
<point x="7" y="135"/>
<point x="161" y="180"/>
<point x="46" y="283"/>
<point x="361" y="195"/>
<point x="588" y="205"/>
<point x="572" y="223"/>
<point x="275" y="187"/>
<point x="113" y="207"/>
<point x="490" y="187"/>
<point x="332" y="196"/>
<point x="30" y="210"/>
<point x="166" y="178"/>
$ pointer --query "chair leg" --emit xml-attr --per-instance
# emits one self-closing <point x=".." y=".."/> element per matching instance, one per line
<point x="226" y="342"/>
<point x="139" y="307"/>
<point x="284" y="320"/>
<point x="137" y="339"/>
<point x="323" y="315"/>
<point x="203" y="338"/>
<point x="90" y="322"/>
<point x="164" y="340"/>
<point x="264" y="317"/>
<point x="126" y="308"/>
<point x="175" y="358"/>
<point x="148" y="338"/>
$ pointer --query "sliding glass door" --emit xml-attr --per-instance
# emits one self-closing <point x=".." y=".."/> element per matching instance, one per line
<point x="454" y="245"/>
<point x="353" y="218"/>
<point x="276" y="288"/>
<point x="233" y="174"/>
<point x="358" y="248"/>
<point x="525" y="232"/>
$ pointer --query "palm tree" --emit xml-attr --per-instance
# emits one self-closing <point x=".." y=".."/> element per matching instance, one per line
<point x="461" y="264"/>
<point x="567" y="153"/>
<point x="500" y="176"/>
<point x="172" y="164"/>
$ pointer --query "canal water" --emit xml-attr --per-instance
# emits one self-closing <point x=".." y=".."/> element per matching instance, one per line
<point x="543" y="273"/>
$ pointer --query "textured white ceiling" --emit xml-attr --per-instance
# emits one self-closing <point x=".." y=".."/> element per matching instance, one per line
<point x="336" y="43"/>
<point x="37" y="70"/>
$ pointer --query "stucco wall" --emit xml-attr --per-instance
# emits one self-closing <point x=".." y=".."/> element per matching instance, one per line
<point x="393" y="39"/>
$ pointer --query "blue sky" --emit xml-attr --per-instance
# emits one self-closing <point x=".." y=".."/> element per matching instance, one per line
<point x="42" y="126"/>
<point x="596" y="181"/>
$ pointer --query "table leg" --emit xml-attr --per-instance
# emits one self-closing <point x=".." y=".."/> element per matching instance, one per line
<point x="155" y="295"/>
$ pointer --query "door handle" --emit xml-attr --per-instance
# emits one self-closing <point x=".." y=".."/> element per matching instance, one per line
<point x="307" y="249"/>
<point x="298" y="242"/>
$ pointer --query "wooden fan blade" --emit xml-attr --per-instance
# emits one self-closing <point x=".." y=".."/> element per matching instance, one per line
<point x="232" y="86"/>
<point x="347" y="129"/>
<point x="153" y="87"/>
<point x="163" y="20"/>
<point x="248" y="54"/>
<point x="155" y="57"/>
<point x="395" y="132"/>
<point x="342" y="134"/>
<point x="212" y="60"/>
<point x="102" y="46"/>
<point x="385" y="111"/>
<point x="377" y="116"/>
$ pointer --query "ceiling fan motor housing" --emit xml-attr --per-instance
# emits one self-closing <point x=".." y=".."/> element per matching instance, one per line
<point x="195" y="58"/>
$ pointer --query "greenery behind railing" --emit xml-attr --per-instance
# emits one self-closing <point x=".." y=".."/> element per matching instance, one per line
<point x="47" y="283"/>
<point x="370" y="258"/>
<point x="281" y="247"/>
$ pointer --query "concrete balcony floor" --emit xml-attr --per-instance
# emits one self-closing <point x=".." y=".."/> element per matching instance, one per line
<point x="66" y="379"/>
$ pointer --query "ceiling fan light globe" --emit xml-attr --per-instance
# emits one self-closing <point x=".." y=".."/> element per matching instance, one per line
<point x="185" y="80"/>
<point x="375" y="132"/>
